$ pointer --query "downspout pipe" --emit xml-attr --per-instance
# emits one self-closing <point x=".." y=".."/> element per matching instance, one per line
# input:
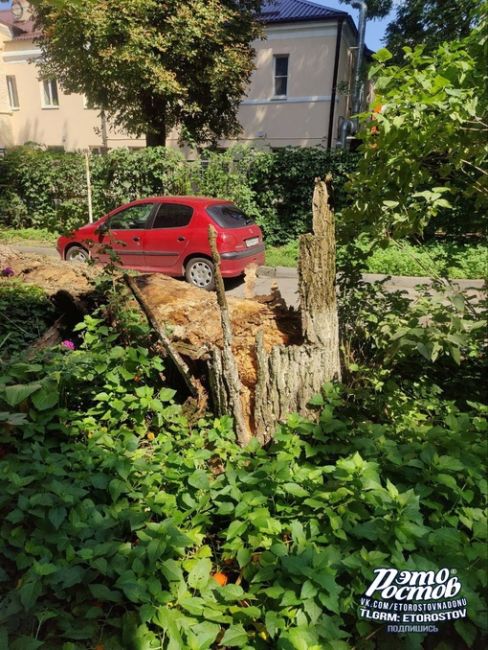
<point x="350" y="126"/>
<point x="358" y="85"/>
<point x="334" y="82"/>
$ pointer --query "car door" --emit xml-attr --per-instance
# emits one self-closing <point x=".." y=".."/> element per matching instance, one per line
<point x="125" y="236"/>
<point x="169" y="238"/>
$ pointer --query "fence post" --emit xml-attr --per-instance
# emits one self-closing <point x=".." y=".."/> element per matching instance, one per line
<point x="88" y="187"/>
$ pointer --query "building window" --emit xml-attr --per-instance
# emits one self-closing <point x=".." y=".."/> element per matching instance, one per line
<point x="50" y="97"/>
<point x="13" y="96"/>
<point x="281" y="75"/>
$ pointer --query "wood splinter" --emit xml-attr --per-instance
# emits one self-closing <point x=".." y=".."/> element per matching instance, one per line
<point x="228" y="373"/>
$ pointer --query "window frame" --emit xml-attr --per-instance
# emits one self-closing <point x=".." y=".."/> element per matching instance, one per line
<point x="50" y="94"/>
<point x="281" y="76"/>
<point x="13" y="92"/>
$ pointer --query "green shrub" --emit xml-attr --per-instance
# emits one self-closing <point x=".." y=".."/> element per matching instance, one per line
<point x="284" y="181"/>
<point x="47" y="189"/>
<point x="437" y="259"/>
<point x="116" y="511"/>
<point x="26" y="314"/>
<point x="42" y="189"/>
<point x="123" y="175"/>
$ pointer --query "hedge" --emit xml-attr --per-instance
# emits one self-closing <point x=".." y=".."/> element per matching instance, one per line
<point x="46" y="189"/>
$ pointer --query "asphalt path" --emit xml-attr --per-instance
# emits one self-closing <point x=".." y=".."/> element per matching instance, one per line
<point x="287" y="281"/>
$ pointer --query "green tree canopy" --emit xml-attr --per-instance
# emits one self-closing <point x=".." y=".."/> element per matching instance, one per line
<point x="154" y="64"/>
<point x="429" y="22"/>
<point x="376" y="8"/>
<point x="425" y="153"/>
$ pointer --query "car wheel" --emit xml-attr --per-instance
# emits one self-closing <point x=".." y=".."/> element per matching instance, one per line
<point x="200" y="273"/>
<point x="77" y="254"/>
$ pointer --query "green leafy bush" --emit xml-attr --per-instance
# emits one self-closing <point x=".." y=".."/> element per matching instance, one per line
<point x="47" y="189"/>
<point x="26" y="313"/>
<point x="117" y="511"/>
<point x="284" y="181"/>
<point x="42" y="189"/>
<point x="434" y="259"/>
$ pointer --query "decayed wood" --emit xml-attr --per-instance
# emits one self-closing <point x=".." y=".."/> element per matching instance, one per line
<point x="51" y="336"/>
<point x="223" y="375"/>
<point x="173" y="354"/>
<point x="317" y="279"/>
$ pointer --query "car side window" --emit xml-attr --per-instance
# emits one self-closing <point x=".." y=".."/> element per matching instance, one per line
<point x="173" y="215"/>
<point x="133" y="218"/>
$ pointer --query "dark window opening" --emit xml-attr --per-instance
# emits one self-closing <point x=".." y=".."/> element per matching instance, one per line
<point x="281" y="75"/>
<point x="173" y="215"/>
<point x="228" y="216"/>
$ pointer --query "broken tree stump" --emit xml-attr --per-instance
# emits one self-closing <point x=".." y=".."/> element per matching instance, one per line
<point x="288" y="377"/>
<point x="317" y="279"/>
<point x="258" y="359"/>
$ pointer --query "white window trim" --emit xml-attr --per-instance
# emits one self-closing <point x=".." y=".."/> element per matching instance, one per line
<point x="280" y="97"/>
<point x="12" y="108"/>
<point x="44" y="106"/>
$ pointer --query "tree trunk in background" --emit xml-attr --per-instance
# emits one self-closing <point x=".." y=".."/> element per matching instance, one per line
<point x="156" y="138"/>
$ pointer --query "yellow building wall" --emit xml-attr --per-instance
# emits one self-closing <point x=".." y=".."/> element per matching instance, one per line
<point x="302" y="119"/>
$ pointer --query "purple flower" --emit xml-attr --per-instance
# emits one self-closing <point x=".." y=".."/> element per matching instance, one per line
<point x="7" y="272"/>
<point x="69" y="345"/>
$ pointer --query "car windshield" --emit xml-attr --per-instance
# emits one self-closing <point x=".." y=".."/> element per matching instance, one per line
<point x="228" y="216"/>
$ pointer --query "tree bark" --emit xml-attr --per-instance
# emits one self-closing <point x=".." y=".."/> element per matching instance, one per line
<point x="156" y="138"/>
<point x="317" y="278"/>
<point x="224" y="377"/>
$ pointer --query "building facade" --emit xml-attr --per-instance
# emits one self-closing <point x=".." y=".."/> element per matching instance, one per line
<point x="298" y="93"/>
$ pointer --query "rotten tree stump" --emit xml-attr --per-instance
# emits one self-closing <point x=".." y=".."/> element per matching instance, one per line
<point x="258" y="360"/>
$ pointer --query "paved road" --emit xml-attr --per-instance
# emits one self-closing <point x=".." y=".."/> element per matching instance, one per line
<point x="286" y="279"/>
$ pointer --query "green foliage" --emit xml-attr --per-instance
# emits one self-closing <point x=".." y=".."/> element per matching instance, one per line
<point x="37" y="235"/>
<point x="123" y="175"/>
<point x="376" y="8"/>
<point x="432" y="259"/>
<point x="275" y="188"/>
<point x="26" y="313"/>
<point x="284" y="181"/>
<point x="426" y="155"/>
<point x="138" y="61"/>
<point x="430" y="23"/>
<point x="116" y="511"/>
<point x="440" y="337"/>
<point x="42" y="189"/>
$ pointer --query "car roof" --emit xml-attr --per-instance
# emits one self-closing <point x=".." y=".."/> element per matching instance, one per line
<point x="194" y="200"/>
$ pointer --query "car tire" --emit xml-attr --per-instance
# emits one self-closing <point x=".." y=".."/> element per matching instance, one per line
<point x="77" y="254"/>
<point x="200" y="273"/>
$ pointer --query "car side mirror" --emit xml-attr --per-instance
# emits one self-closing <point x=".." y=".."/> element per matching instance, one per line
<point x="102" y="229"/>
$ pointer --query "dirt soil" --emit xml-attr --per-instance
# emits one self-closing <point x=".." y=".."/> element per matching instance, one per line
<point x="50" y="274"/>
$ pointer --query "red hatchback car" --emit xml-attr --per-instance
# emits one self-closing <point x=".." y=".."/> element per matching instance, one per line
<point x="170" y="235"/>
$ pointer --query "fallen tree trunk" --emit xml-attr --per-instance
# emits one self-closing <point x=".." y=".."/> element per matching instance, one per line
<point x="257" y="359"/>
